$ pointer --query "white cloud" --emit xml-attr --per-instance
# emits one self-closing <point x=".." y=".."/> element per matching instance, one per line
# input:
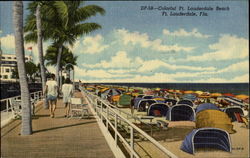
<point x="242" y="78"/>
<point x="8" y="41"/>
<point x="90" y="45"/>
<point x="238" y="79"/>
<point x="242" y="66"/>
<point x="143" y="40"/>
<point x="184" y="33"/>
<point x="151" y="65"/>
<point x="228" y="47"/>
<point x="120" y="60"/>
<point x="99" y="73"/>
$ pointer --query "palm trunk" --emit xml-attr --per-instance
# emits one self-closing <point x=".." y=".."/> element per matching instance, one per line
<point x="26" y="128"/>
<point x="58" y="65"/>
<point x="40" y="49"/>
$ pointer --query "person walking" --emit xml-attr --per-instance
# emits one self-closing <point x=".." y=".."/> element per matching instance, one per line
<point x="51" y="90"/>
<point x="132" y="104"/>
<point x="67" y="91"/>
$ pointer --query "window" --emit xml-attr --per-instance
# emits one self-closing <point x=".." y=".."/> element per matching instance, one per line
<point x="3" y="57"/>
<point x="26" y="58"/>
<point x="0" y="76"/>
<point x="7" y="70"/>
<point x="14" y="57"/>
<point x="5" y="77"/>
<point x="9" y="57"/>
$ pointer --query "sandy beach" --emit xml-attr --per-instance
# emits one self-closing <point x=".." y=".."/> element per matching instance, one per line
<point x="173" y="137"/>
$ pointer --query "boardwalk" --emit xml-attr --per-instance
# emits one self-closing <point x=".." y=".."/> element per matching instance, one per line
<point x="55" y="137"/>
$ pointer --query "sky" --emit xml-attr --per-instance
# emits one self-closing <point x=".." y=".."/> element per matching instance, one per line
<point x="140" y="44"/>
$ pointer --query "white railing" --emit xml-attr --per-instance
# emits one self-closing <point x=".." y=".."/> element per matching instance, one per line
<point x="112" y="119"/>
<point x="7" y="112"/>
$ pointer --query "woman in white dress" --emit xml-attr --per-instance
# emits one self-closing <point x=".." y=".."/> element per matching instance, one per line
<point x="67" y="91"/>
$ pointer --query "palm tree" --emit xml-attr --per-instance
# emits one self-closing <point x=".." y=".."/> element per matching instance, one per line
<point x="67" y="57"/>
<point x="33" y="28"/>
<point x="26" y="128"/>
<point x="69" y="25"/>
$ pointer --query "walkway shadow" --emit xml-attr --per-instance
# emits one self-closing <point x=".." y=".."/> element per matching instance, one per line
<point x="77" y="124"/>
<point x="172" y="134"/>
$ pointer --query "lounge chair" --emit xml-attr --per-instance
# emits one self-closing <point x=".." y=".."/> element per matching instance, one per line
<point x="78" y="109"/>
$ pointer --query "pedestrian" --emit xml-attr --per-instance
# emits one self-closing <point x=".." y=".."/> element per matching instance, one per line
<point x="51" y="91"/>
<point x="132" y="104"/>
<point x="67" y="91"/>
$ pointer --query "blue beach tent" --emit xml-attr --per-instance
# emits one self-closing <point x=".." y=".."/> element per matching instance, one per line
<point x="206" y="106"/>
<point x="186" y="101"/>
<point x="207" y="138"/>
<point x="231" y="111"/>
<point x="172" y="101"/>
<point x="142" y="105"/>
<point x="158" y="110"/>
<point x="181" y="112"/>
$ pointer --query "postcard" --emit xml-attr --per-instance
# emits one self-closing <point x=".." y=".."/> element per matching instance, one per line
<point x="154" y="78"/>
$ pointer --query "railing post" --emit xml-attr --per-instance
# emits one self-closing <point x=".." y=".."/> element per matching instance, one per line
<point x="101" y="110"/>
<point x="107" y="123"/>
<point x="116" y="129"/>
<point x="7" y="105"/>
<point x="131" y="141"/>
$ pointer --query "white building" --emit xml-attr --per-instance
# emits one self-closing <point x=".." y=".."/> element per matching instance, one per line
<point x="8" y="63"/>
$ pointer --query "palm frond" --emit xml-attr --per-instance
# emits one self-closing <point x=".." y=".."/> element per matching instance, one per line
<point x="85" y="28"/>
<point x="86" y="12"/>
<point x="31" y="37"/>
<point x="62" y="10"/>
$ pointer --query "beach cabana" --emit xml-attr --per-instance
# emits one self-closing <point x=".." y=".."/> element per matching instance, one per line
<point x="215" y="119"/>
<point x="148" y="97"/>
<point x="181" y="112"/>
<point x="159" y="99"/>
<point x="158" y="110"/>
<point x="206" y="106"/>
<point x="110" y="92"/>
<point x="185" y="101"/>
<point x="124" y="100"/>
<point x="232" y="112"/>
<point x="207" y="138"/>
<point x="144" y="104"/>
<point x="171" y="101"/>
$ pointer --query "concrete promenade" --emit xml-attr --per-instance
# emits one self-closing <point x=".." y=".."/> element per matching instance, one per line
<point x="57" y="137"/>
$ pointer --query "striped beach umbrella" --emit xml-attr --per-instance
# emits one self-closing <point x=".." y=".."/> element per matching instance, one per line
<point x="188" y="92"/>
<point x="242" y="97"/>
<point x="228" y="94"/>
<point x="216" y="94"/>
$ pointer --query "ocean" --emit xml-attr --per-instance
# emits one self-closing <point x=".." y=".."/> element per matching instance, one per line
<point x="234" y="88"/>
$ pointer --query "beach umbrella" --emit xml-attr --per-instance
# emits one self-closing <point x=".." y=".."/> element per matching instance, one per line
<point x="216" y="94"/>
<point x="178" y="91"/>
<point x="103" y="89"/>
<point x="171" y="90"/>
<point x="199" y="92"/>
<point x="228" y="94"/>
<point x="157" y="89"/>
<point x="242" y="97"/>
<point x="122" y="89"/>
<point x="188" y="92"/>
